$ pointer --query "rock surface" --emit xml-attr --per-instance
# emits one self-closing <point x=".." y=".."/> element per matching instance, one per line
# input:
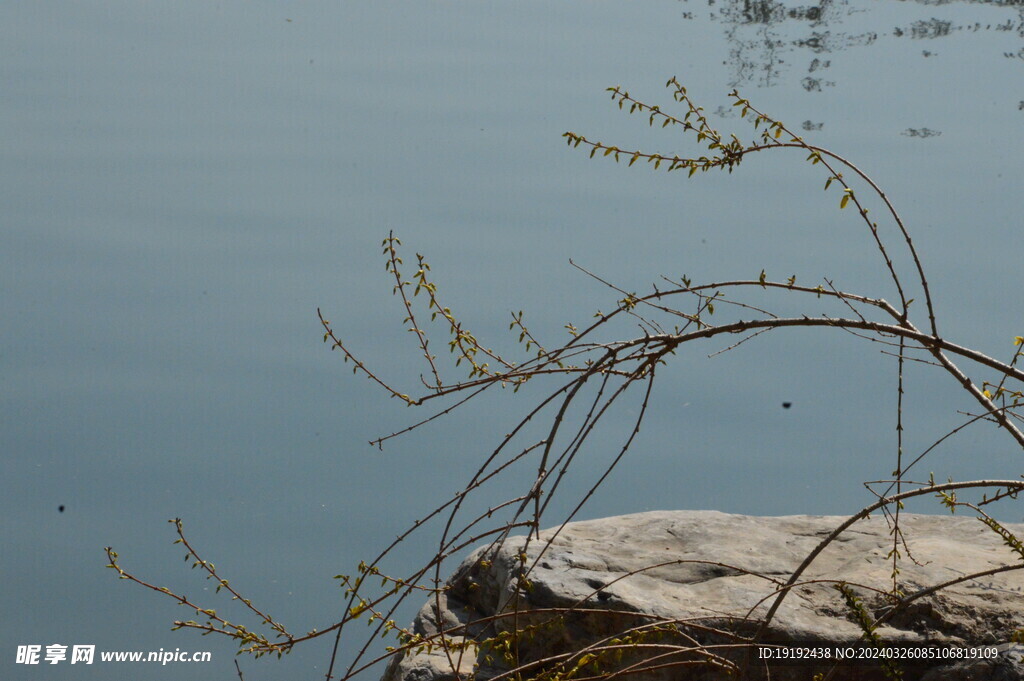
<point x="1007" y="666"/>
<point x="675" y="578"/>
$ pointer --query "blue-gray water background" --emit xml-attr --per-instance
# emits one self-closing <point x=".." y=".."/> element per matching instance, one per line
<point x="183" y="184"/>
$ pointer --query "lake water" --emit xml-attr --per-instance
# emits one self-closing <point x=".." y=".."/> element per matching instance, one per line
<point x="185" y="183"/>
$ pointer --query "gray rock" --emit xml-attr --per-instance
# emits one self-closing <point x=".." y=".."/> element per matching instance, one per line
<point x="688" y="583"/>
<point x="1007" y="666"/>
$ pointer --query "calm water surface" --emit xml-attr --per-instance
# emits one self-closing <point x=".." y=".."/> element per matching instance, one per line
<point x="184" y="184"/>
